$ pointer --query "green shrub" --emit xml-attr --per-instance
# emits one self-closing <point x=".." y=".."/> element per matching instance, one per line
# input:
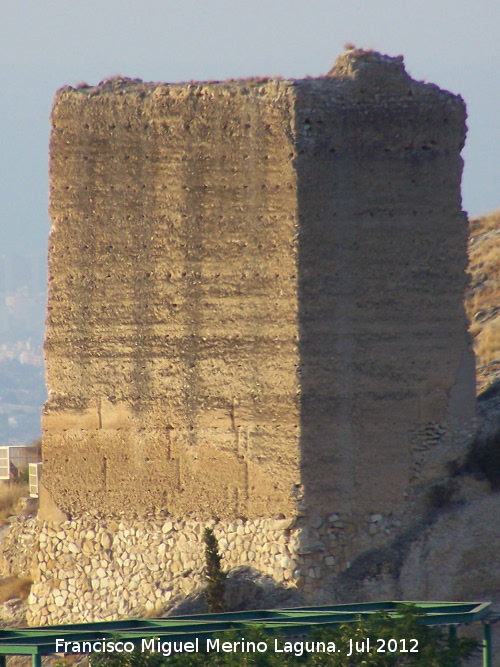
<point x="216" y="578"/>
<point x="406" y="631"/>
<point x="23" y="477"/>
<point x="484" y="461"/>
<point x="435" y="647"/>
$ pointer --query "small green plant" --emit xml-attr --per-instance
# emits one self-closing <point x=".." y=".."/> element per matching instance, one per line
<point x="216" y="578"/>
<point x="395" y="641"/>
<point x="23" y="477"/>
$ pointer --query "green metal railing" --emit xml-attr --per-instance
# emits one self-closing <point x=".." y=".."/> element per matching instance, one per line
<point x="41" y="641"/>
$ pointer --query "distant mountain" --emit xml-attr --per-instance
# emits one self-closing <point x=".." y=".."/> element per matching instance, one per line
<point x="23" y="301"/>
<point x="22" y="394"/>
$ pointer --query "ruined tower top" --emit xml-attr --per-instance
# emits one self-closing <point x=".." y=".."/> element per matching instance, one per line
<point x="369" y="74"/>
<point x="359" y="72"/>
<point x="370" y="68"/>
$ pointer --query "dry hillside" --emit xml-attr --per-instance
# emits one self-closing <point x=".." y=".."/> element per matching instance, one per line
<point x="483" y="297"/>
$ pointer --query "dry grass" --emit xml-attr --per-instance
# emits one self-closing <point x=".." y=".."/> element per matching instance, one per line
<point x="10" y="494"/>
<point x="485" y="223"/>
<point x="487" y="344"/>
<point x="152" y="613"/>
<point x="14" y="588"/>
<point x="482" y="301"/>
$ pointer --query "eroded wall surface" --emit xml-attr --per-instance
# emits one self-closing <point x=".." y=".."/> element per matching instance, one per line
<point x="172" y="326"/>
<point x="256" y="296"/>
<point x="382" y="274"/>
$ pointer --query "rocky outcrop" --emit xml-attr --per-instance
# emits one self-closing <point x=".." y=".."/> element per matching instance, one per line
<point x="483" y="297"/>
<point x="451" y="554"/>
<point x="18" y="546"/>
<point x="18" y="543"/>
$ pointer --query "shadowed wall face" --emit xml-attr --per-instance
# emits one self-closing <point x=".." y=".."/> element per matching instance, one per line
<point x="255" y="292"/>
<point x="382" y="261"/>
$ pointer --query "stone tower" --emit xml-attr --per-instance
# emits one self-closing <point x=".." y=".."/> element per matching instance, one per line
<point x="256" y="308"/>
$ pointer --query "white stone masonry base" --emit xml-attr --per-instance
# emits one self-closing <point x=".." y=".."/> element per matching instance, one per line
<point x="90" y="570"/>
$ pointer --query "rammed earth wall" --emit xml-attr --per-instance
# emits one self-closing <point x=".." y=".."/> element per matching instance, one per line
<point x="255" y="303"/>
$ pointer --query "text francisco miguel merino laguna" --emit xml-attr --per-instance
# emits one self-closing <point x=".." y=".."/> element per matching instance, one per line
<point x="298" y="648"/>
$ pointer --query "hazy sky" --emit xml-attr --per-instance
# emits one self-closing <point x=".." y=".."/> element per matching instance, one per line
<point x="45" y="44"/>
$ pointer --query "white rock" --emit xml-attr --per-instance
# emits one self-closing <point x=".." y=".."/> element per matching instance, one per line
<point x="167" y="527"/>
<point x="281" y="524"/>
<point x="106" y="541"/>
